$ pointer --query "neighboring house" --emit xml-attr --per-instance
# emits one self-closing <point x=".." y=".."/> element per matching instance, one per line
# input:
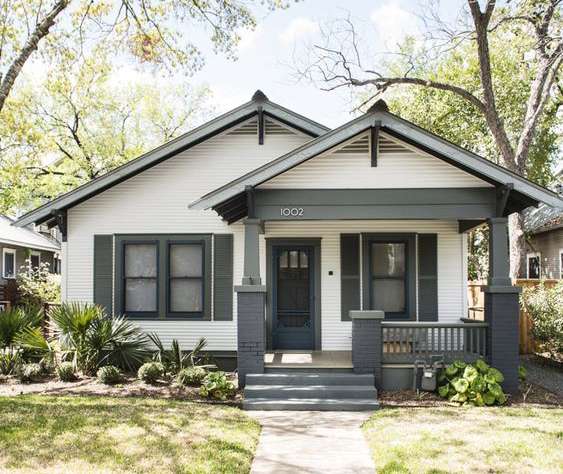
<point x="544" y="231"/>
<point x="18" y="244"/>
<point x="264" y="231"/>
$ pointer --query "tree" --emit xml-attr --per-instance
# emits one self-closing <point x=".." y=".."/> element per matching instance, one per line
<point x="339" y="63"/>
<point x="77" y="123"/>
<point x="152" y="31"/>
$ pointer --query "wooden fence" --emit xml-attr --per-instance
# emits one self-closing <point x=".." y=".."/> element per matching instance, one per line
<point x="476" y="304"/>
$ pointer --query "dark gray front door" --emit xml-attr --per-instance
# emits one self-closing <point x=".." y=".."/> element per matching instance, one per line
<point x="292" y="322"/>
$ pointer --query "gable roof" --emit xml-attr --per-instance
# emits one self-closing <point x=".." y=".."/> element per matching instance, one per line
<point x="542" y="219"/>
<point x="259" y="102"/>
<point x="24" y="237"/>
<point x="524" y="194"/>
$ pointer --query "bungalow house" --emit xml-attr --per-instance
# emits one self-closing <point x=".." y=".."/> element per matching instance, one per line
<point x="335" y="258"/>
<point x="19" y="245"/>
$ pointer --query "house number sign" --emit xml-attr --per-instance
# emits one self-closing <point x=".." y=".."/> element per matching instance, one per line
<point x="291" y="212"/>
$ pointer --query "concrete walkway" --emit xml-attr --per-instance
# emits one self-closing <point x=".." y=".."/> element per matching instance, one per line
<point x="311" y="442"/>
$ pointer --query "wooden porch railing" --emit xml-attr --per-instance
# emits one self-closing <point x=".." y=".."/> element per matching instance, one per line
<point x="405" y="342"/>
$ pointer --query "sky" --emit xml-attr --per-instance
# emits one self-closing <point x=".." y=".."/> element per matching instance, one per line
<point x="265" y="55"/>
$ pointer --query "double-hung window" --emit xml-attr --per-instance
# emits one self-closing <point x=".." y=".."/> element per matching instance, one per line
<point x="163" y="276"/>
<point x="9" y="263"/>
<point x="389" y="274"/>
<point x="534" y="265"/>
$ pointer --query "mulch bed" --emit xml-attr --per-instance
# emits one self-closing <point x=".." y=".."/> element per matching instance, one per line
<point x="529" y="394"/>
<point x="89" y="386"/>
<point x="548" y="359"/>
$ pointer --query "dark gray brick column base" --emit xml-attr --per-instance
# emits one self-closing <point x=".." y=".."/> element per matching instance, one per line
<point x="502" y="311"/>
<point x="367" y="344"/>
<point x="251" y="300"/>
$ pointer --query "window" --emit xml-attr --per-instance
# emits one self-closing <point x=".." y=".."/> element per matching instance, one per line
<point x="185" y="277"/>
<point x="9" y="263"/>
<point x="163" y="276"/>
<point x="534" y="265"/>
<point x="57" y="265"/>
<point x="561" y="263"/>
<point x="140" y="277"/>
<point x="389" y="274"/>
<point x="35" y="260"/>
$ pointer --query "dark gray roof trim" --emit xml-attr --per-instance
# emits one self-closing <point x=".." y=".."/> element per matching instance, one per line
<point x="429" y="142"/>
<point x="163" y="152"/>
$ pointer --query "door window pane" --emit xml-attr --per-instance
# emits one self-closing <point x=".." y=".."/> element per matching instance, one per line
<point x="388" y="259"/>
<point x="283" y="259"/>
<point x="140" y="294"/>
<point x="186" y="295"/>
<point x="140" y="260"/>
<point x="303" y="260"/>
<point x="294" y="259"/>
<point x="141" y="270"/>
<point x="186" y="260"/>
<point x="389" y="295"/>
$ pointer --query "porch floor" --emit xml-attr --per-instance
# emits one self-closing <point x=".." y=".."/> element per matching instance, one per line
<point x="308" y="359"/>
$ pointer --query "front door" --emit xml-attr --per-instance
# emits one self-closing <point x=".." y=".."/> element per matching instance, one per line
<point x="292" y="311"/>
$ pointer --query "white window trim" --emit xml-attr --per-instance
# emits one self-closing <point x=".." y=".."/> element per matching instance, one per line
<point x="532" y="255"/>
<point x="12" y="252"/>
<point x="560" y="264"/>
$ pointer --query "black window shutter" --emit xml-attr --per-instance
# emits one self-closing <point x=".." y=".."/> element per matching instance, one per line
<point x="428" y="277"/>
<point x="223" y="277"/>
<point x="103" y="271"/>
<point x="349" y="274"/>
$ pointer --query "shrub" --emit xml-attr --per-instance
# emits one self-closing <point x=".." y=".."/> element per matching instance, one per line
<point x="150" y="372"/>
<point x="16" y="320"/>
<point x="216" y="385"/>
<point x="545" y="307"/>
<point x="37" y="286"/>
<point x="93" y="338"/>
<point x="192" y="376"/>
<point x="29" y="372"/>
<point x="522" y="373"/>
<point x="65" y="372"/>
<point x="175" y="359"/>
<point x="474" y="384"/>
<point x="109" y="375"/>
<point x="10" y="360"/>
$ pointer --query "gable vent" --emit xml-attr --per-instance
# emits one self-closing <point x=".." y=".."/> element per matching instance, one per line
<point x="274" y="128"/>
<point x="361" y="145"/>
<point x="388" y="145"/>
<point x="248" y="128"/>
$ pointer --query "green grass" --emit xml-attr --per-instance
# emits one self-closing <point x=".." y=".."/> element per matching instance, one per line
<point x="103" y="434"/>
<point x="439" y="440"/>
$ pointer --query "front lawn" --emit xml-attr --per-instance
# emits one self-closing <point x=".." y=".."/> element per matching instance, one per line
<point x="104" y="434"/>
<point x="448" y="439"/>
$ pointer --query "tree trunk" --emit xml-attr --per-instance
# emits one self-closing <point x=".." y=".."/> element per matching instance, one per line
<point x="517" y="245"/>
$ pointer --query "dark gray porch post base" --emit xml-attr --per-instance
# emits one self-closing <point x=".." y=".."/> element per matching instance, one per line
<point x="502" y="312"/>
<point x="251" y="300"/>
<point x="367" y="343"/>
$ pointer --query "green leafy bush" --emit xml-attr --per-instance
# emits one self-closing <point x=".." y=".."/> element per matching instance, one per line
<point x="545" y="307"/>
<point x="192" y="376"/>
<point x="65" y="372"/>
<point x="16" y="320"/>
<point x="217" y="385"/>
<point x="92" y="338"/>
<point x="522" y="372"/>
<point x="175" y="359"/>
<point x="109" y="375"/>
<point x="150" y="372"/>
<point x="29" y="372"/>
<point x="475" y="384"/>
<point x="10" y="360"/>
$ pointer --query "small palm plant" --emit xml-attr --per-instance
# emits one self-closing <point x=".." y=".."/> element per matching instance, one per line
<point x="174" y="360"/>
<point x="16" y="320"/>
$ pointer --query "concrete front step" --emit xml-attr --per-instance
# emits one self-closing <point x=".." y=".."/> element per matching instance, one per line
<point x="297" y="369"/>
<point x="312" y="404"/>
<point x="310" y="378"/>
<point x="310" y="391"/>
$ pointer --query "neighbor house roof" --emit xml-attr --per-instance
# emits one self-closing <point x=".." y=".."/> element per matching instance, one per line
<point x="542" y="219"/>
<point x="24" y="237"/>
<point x="258" y="104"/>
<point x="525" y="192"/>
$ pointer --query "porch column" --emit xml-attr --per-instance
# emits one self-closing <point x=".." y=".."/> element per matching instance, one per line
<point x="502" y="306"/>
<point x="367" y="343"/>
<point x="251" y="303"/>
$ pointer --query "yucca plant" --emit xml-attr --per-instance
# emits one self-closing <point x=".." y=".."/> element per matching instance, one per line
<point x="91" y="338"/>
<point x="16" y="320"/>
<point x="174" y="359"/>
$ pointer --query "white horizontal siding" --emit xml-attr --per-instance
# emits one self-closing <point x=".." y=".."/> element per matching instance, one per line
<point x="156" y="201"/>
<point x="336" y="334"/>
<point x="394" y="170"/>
